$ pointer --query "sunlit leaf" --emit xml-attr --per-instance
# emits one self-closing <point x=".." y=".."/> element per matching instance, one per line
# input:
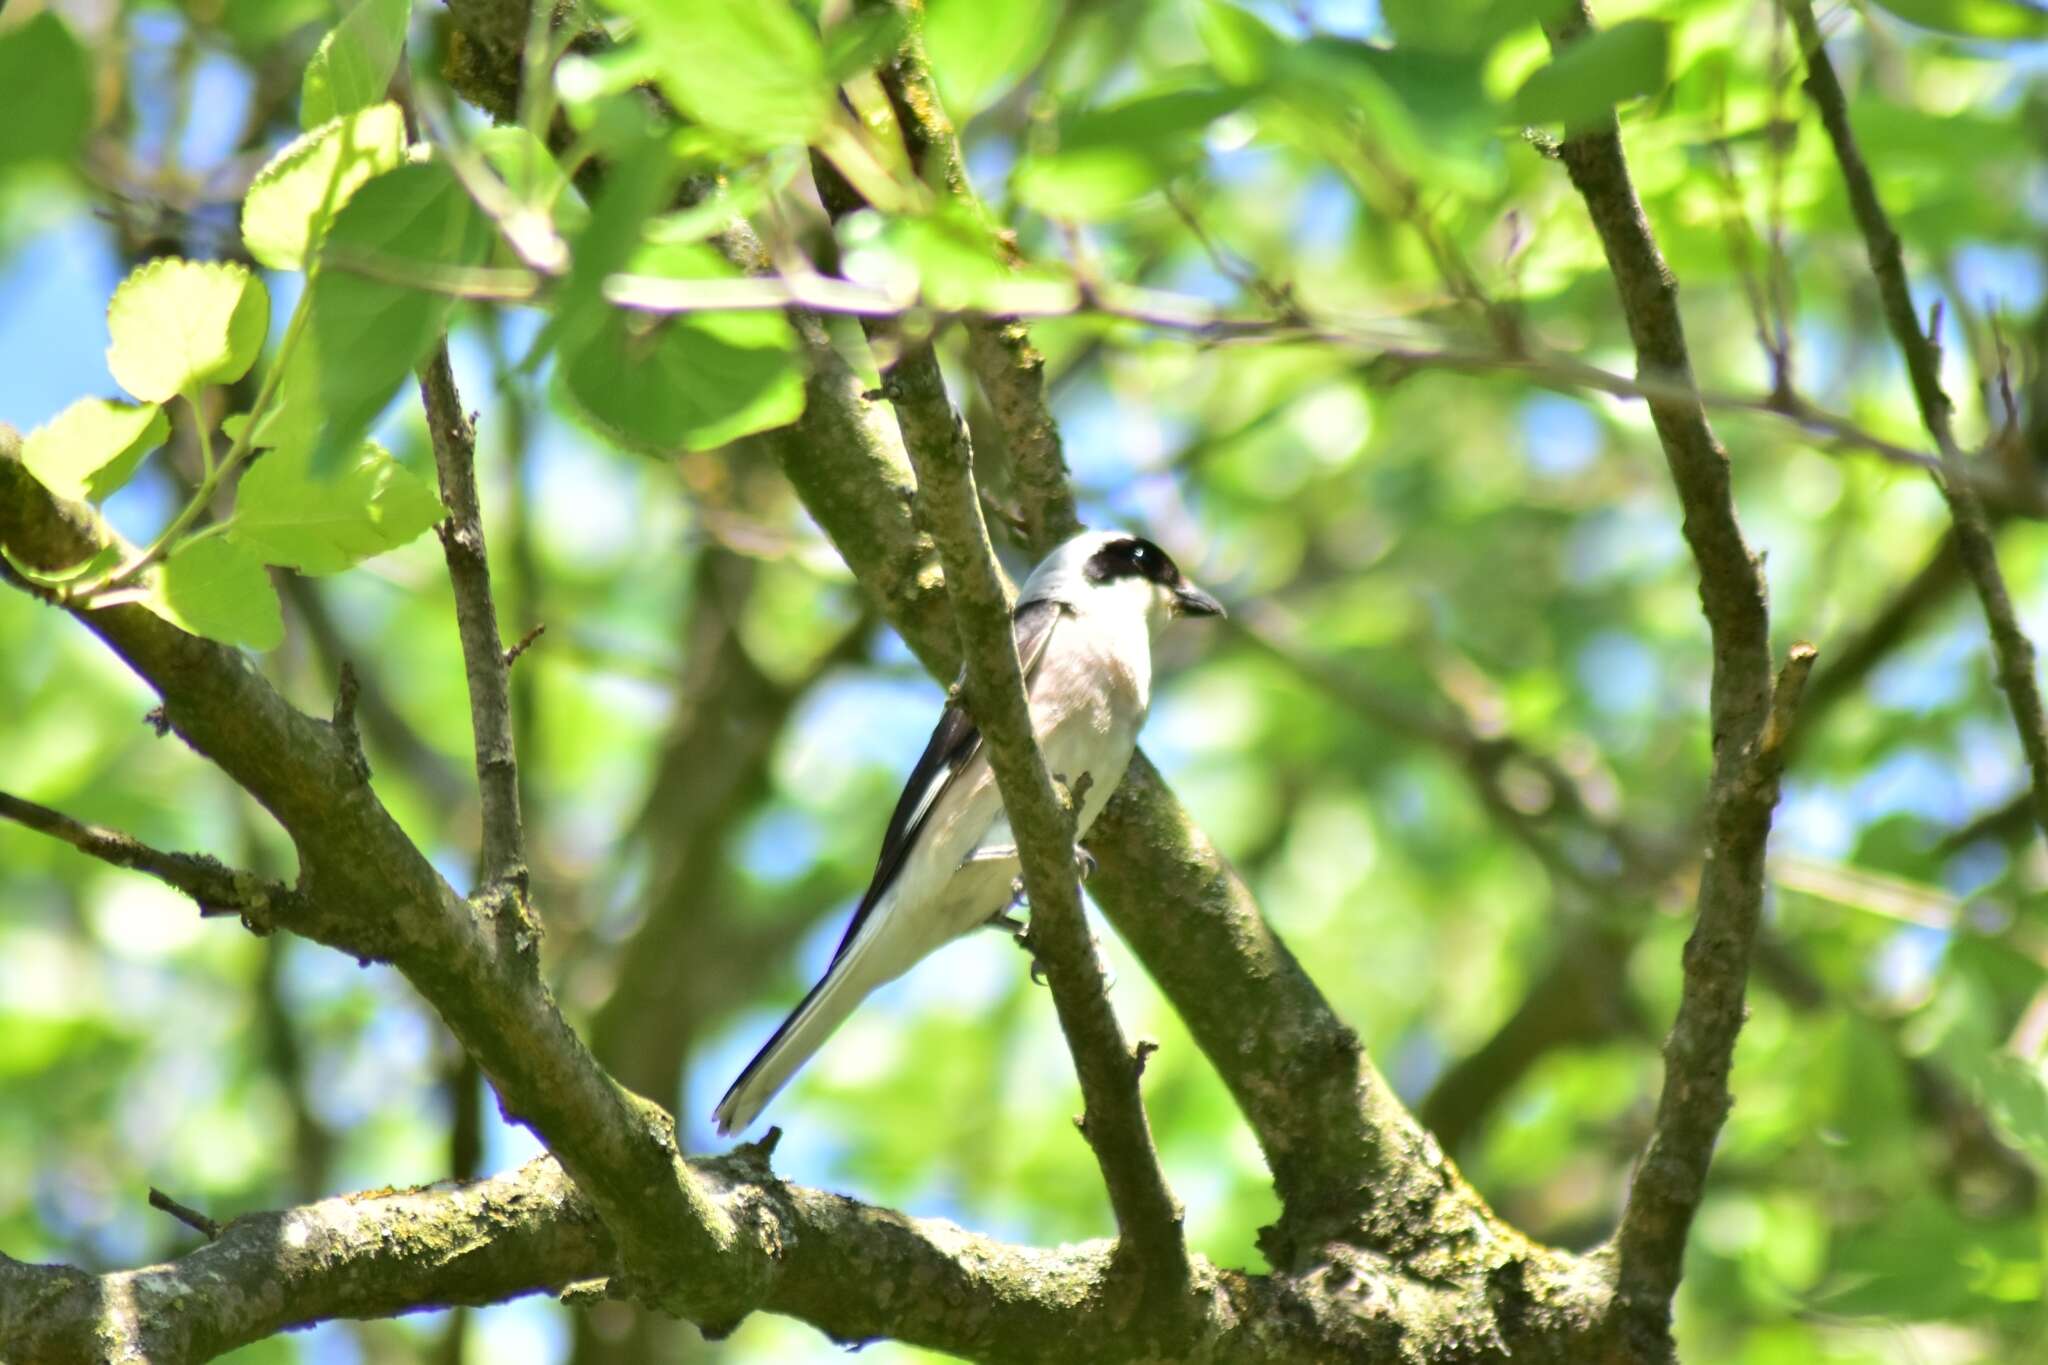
<point x="864" y="40"/>
<point x="92" y="447"/>
<point x="640" y="183"/>
<point x="1995" y="20"/>
<point x="978" y="50"/>
<point x="298" y="193"/>
<point x="1462" y="26"/>
<point x="178" y="325"/>
<point x="532" y="174"/>
<point x="1240" y="44"/>
<point x="319" y="526"/>
<point x="366" y="330"/>
<point x="689" y="382"/>
<point x="352" y="67"/>
<point x="751" y="70"/>
<point x="216" y="588"/>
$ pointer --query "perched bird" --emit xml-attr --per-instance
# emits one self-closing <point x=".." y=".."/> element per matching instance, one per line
<point x="1084" y="625"/>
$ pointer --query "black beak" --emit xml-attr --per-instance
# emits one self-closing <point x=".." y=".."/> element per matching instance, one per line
<point x="1190" y="600"/>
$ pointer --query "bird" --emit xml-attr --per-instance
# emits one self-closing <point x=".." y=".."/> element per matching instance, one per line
<point x="1083" y="625"/>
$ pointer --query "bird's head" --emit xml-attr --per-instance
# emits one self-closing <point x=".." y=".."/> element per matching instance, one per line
<point x="1120" y="572"/>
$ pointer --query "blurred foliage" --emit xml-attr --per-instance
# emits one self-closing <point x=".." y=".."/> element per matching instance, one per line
<point x="1495" y="558"/>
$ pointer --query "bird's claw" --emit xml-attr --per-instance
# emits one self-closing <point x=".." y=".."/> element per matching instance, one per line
<point x="1024" y="942"/>
<point x="1084" y="862"/>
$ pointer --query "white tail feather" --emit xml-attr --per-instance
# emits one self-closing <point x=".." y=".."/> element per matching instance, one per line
<point x="801" y="1035"/>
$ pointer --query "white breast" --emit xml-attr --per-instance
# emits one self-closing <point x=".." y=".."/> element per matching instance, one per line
<point x="1088" y="703"/>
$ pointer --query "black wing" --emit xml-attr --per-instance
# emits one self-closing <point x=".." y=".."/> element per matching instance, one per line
<point x="954" y="742"/>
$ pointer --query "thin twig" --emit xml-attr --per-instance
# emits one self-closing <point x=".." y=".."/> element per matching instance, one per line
<point x="218" y="888"/>
<point x="2013" y="650"/>
<point x="525" y="643"/>
<point x="1147" y="1215"/>
<point x="1742" y="791"/>
<point x="1008" y="304"/>
<point x="484" y="657"/>
<point x="184" y="1213"/>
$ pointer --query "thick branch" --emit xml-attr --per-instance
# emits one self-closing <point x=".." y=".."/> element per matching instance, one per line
<point x="357" y="1256"/>
<point x="483" y="650"/>
<point x="2014" y="651"/>
<point x="366" y="889"/>
<point x="218" y="888"/>
<point x="1742" y="791"/>
<point x="854" y="1271"/>
<point x="861" y="494"/>
<point x="1147" y="1215"/>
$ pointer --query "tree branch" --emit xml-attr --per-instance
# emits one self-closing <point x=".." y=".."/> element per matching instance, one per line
<point x="356" y="1256"/>
<point x="218" y="888"/>
<point x="485" y="660"/>
<point x="1147" y="1215"/>
<point x="1583" y="995"/>
<point x="366" y="889"/>
<point x="854" y="1271"/>
<point x="2013" y="650"/>
<point x="1005" y="364"/>
<point x="1747" y="748"/>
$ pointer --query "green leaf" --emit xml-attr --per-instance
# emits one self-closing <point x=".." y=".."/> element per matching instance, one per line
<point x="363" y="336"/>
<point x="92" y="447"/>
<point x="532" y="174"/>
<point x="318" y="526"/>
<point x="352" y="67"/>
<point x="178" y="325"/>
<point x="750" y="70"/>
<point x="45" y="92"/>
<point x="1242" y="48"/>
<point x="640" y="182"/>
<point x="1110" y="157"/>
<point x="690" y="382"/>
<point x="1596" y="73"/>
<point x="978" y="50"/>
<point x="257" y="26"/>
<point x="863" y="41"/>
<point x="297" y="194"/>
<point x="601" y="95"/>
<point x="1462" y="27"/>
<point x="2015" y="1097"/>
<point x="959" y="264"/>
<point x="1989" y="19"/>
<point x="216" y="588"/>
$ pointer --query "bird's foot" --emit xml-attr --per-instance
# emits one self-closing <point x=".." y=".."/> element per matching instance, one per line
<point x="1037" y="963"/>
<point x="1084" y="862"/>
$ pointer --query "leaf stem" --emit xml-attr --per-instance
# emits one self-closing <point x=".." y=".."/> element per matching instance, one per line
<point x="216" y="473"/>
<point x="204" y="431"/>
